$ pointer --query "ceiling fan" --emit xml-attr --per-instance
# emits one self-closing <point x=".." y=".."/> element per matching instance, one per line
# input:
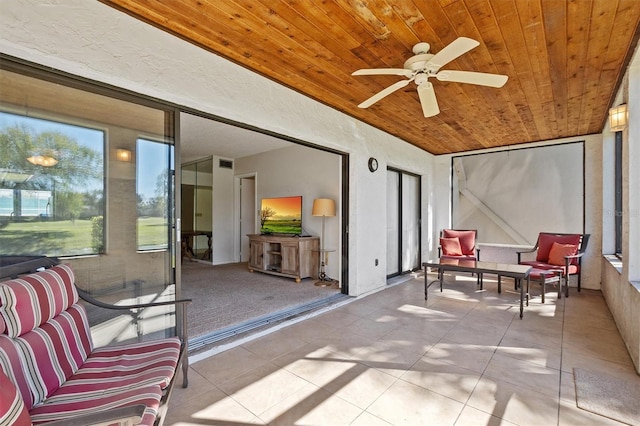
<point x="423" y="65"/>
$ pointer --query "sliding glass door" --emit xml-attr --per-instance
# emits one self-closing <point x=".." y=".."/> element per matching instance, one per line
<point x="87" y="176"/>
<point x="403" y="222"/>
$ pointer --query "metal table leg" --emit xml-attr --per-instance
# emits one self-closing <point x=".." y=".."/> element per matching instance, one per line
<point x="519" y="281"/>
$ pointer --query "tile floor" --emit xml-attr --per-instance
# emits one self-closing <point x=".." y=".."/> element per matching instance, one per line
<point x="463" y="357"/>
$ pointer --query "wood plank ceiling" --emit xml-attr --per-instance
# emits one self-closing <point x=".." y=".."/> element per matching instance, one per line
<point x="565" y="59"/>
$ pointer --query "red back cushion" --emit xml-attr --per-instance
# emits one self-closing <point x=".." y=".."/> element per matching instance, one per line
<point x="467" y="239"/>
<point x="559" y="251"/>
<point x="55" y="351"/>
<point x="12" y="408"/>
<point x="451" y="246"/>
<point x="545" y="242"/>
<point x="31" y="300"/>
<point x="11" y="366"/>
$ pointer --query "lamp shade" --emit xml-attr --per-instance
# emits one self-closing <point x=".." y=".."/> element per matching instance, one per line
<point x="618" y="118"/>
<point x="323" y="207"/>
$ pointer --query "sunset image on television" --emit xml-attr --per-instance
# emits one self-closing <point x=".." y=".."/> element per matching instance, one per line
<point x="281" y="215"/>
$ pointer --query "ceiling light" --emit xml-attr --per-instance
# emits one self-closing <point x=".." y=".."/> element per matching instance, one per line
<point x="42" y="160"/>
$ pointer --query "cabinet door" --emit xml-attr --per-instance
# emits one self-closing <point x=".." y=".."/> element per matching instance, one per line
<point x="290" y="259"/>
<point x="256" y="255"/>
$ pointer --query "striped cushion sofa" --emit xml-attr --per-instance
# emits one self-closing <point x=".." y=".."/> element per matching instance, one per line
<point x="48" y="359"/>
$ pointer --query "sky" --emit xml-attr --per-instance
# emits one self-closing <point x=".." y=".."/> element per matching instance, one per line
<point x="285" y="207"/>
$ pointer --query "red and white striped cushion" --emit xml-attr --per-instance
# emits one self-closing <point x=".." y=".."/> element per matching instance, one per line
<point x="61" y="407"/>
<point x="32" y="300"/>
<point x="55" y="351"/>
<point x="126" y="366"/>
<point x="11" y="365"/>
<point x="12" y="409"/>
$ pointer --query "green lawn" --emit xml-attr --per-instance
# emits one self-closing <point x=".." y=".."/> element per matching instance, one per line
<point x="67" y="238"/>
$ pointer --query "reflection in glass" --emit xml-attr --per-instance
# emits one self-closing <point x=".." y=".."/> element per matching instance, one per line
<point x="51" y="187"/>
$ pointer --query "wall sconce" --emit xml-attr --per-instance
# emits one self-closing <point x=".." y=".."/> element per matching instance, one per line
<point x="618" y="117"/>
<point x="123" y="155"/>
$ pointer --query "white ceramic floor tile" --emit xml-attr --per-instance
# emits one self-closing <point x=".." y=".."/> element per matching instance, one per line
<point x="311" y="405"/>
<point x="463" y="357"/>
<point x="407" y="404"/>
<point x="446" y="379"/>
<point x="472" y="357"/>
<point x="514" y="403"/>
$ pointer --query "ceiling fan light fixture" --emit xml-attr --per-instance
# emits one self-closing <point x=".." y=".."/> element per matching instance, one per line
<point x="423" y="65"/>
<point x="42" y="160"/>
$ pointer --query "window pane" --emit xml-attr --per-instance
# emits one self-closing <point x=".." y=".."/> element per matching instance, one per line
<point x="152" y="180"/>
<point x="52" y="183"/>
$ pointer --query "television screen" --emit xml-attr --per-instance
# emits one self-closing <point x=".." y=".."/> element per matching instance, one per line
<point x="282" y="215"/>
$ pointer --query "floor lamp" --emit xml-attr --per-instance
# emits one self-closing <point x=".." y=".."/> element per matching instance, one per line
<point x="323" y="207"/>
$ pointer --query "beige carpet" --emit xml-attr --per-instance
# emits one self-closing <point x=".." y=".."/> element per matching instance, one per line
<point x="226" y="295"/>
<point x="608" y="396"/>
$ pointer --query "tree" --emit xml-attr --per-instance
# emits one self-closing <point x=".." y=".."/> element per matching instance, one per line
<point x="69" y="205"/>
<point x="77" y="164"/>
<point x="265" y="214"/>
<point x="68" y="180"/>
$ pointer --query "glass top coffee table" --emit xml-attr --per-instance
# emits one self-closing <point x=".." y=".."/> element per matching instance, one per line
<point x="517" y="272"/>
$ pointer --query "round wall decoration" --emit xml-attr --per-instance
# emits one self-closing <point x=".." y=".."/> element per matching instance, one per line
<point x="373" y="164"/>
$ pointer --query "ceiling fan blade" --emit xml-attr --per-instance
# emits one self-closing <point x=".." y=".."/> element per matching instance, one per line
<point x="481" y="78"/>
<point x="375" y="98"/>
<point x="453" y="50"/>
<point x="428" y="99"/>
<point x="384" y="71"/>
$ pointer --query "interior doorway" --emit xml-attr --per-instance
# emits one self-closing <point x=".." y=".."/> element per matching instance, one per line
<point x="247" y="166"/>
<point x="197" y="198"/>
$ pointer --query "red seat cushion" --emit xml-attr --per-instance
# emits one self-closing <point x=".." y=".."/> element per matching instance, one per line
<point x="545" y="242"/>
<point x="61" y="407"/>
<point x="536" y="274"/>
<point x="126" y="366"/>
<point x="467" y="239"/>
<point x="463" y="257"/>
<point x="573" y="269"/>
<point x="451" y="246"/>
<point x="559" y="251"/>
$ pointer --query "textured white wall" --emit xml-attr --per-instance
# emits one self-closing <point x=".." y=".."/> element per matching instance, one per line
<point x="95" y="41"/>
